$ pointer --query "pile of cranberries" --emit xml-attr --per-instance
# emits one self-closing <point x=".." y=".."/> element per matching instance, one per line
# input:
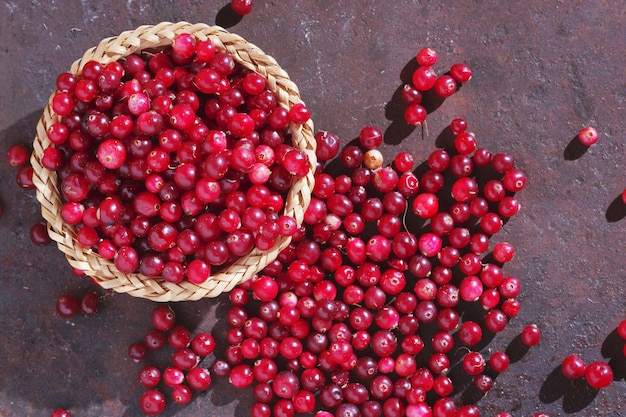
<point x="174" y="162"/>
<point x="182" y="377"/>
<point x="388" y="286"/>
<point x="425" y="79"/>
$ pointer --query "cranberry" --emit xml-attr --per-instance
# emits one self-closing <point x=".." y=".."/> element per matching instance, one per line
<point x="468" y="411"/>
<point x="461" y="72"/>
<point x="514" y="180"/>
<point x="67" y="306"/>
<point x="18" y="155"/>
<point x="471" y="288"/>
<point x="286" y="384"/>
<point x="588" y="136"/>
<point x="424" y="78"/>
<point x="39" y="234"/>
<point x="60" y="412"/>
<point x="426" y="57"/>
<point x="499" y="361"/>
<point x="425" y="205"/>
<point x="445" y="86"/>
<point x="443" y="385"/>
<point x="530" y="335"/>
<point x="327" y="145"/>
<point x="89" y="303"/>
<point x="155" y="339"/>
<point x="502" y="162"/>
<point x="241" y="376"/>
<point x="137" y="351"/>
<point x="470" y="333"/>
<point x="149" y="376"/>
<point x="496" y="320"/>
<point x="473" y="363"/>
<point x="599" y="375"/>
<point x="415" y="114"/>
<point x="126" y="260"/>
<point x="444" y="407"/>
<point x="152" y="402"/>
<point x="573" y="367"/>
<point x="370" y="137"/>
<point x="621" y="329"/>
<point x="411" y="95"/>
<point x="181" y="394"/>
<point x="199" y="378"/>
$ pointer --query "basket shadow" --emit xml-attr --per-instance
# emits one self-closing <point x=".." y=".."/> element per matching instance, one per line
<point x="23" y="131"/>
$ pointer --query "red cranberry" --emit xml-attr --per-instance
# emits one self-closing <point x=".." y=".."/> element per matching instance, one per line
<point x="599" y="374"/>
<point x="152" y="402"/>
<point x="588" y="136"/>
<point x="67" y="306"/>
<point x="573" y="367"/>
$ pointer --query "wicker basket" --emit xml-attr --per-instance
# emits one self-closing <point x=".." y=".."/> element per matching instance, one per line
<point x="103" y="271"/>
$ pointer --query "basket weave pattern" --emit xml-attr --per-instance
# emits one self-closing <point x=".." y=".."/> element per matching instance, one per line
<point x="103" y="271"/>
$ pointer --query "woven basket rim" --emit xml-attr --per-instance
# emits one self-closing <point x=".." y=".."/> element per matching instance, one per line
<point x="157" y="289"/>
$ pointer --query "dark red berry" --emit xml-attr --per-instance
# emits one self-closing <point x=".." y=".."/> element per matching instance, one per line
<point x="67" y="306"/>
<point x="242" y="7"/>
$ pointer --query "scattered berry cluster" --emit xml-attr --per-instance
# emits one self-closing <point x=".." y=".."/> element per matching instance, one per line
<point x="388" y="286"/>
<point x="175" y="162"/>
<point x="183" y="376"/>
<point x="598" y="374"/>
<point x="425" y="79"/>
<point x="68" y="305"/>
<point x="364" y="313"/>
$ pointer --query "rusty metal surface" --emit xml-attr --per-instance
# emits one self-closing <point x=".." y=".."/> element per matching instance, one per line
<point x="542" y="71"/>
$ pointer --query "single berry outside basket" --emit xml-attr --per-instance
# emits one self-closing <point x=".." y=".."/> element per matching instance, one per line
<point x="103" y="271"/>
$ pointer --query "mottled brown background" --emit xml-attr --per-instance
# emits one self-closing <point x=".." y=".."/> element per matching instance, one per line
<point x="542" y="70"/>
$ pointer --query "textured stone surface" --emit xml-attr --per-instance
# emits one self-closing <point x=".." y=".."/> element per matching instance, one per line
<point x="541" y="72"/>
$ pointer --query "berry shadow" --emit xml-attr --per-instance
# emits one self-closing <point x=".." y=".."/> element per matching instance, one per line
<point x="574" y="149"/>
<point x="445" y="140"/>
<point x="516" y="350"/>
<point x="223" y="393"/>
<point x="616" y="210"/>
<point x="576" y="394"/>
<point x="399" y="130"/>
<point x="471" y="395"/>
<point x="226" y="17"/>
<point x="462" y="380"/>
<point x="613" y="349"/>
